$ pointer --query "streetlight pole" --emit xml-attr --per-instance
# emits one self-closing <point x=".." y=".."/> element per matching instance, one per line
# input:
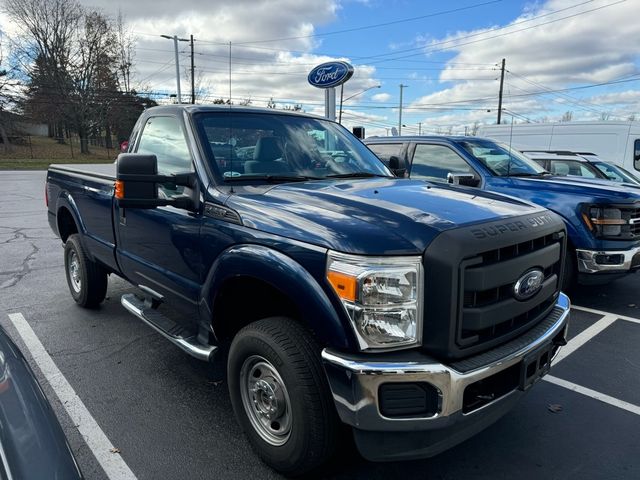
<point x="402" y="87"/>
<point x="350" y="97"/>
<point x="175" y="47"/>
<point x="193" y="81"/>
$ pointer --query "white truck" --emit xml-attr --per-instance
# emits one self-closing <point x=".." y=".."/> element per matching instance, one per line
<point x="617" y="142"/>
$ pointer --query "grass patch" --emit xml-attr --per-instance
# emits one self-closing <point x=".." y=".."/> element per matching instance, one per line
<point x="37" y="153"/>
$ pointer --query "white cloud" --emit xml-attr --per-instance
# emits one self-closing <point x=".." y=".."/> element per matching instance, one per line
<point x="595" y="47"/>
<point x="381" y="97"/>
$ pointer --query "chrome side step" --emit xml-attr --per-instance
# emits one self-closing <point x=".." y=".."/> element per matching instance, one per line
<point x="176" y="334"/>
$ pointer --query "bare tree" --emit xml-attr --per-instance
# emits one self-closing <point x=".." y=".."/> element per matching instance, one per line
<point x="73" y="67"/>
<point x="475" y="128"/>
<point x="47" y="29"/>
<point x="567" y="116"/>
<point x="604" y="116"/>
<point x="125" y="44"/>
<point x="7" y="97"/>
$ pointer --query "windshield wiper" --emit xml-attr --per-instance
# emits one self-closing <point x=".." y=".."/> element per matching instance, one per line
<point x="357" y="175"/>
<point x="272" y="178"/>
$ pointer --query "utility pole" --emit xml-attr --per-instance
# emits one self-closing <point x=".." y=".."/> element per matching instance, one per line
<point x="175" y="46"/>
<point x="419" y="128"/>
<point x="193" y="76"/>
<point x="500" y="94"/>
<point x="402" y="87"/>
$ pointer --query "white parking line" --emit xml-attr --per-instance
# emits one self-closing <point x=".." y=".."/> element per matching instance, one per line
<point x="583" y="337"/>
<point x="600" y="312"/>
<point x="629" y="407"/>
<point x="112" y="463"/>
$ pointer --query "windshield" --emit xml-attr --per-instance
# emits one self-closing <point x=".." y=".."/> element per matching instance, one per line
<point x="274" y="147"/>
<point x="616" y="173"/>
<point x="501" y="160"/>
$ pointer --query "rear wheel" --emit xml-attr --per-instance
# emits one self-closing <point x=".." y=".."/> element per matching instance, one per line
<point x="280" y="395"/>
<point x="86" y="279"/>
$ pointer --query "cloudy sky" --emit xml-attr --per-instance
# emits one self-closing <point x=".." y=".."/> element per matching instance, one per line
<point x="561" y="56"/>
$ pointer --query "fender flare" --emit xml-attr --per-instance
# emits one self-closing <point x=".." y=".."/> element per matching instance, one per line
<point x="286" y="275"/>
<point x="65" y="200"/>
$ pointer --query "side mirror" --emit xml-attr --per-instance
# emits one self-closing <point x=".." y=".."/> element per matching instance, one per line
<point x="394" y="166"/>
<point x="358" y="132"/>
<point x="464" y="179"/>
<point x="137" y="182"/>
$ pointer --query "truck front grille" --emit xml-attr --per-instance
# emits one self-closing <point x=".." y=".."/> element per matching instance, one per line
<point x="634" y="220"/>
<point x="490" y="313"/>
<point x="470" y="303"/>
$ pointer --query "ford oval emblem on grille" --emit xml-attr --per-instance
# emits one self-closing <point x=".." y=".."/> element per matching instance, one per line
<point x="528" y="284"/>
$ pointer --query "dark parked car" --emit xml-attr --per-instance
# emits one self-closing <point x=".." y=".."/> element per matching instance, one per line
<point x="32" y="444"/>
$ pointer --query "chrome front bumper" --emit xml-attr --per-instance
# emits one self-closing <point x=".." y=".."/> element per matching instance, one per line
<point x="355" y="379"/>
<point x="588" y="260"/>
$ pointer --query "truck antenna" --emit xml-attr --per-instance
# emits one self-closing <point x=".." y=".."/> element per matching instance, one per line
<point x="231" y="146"/>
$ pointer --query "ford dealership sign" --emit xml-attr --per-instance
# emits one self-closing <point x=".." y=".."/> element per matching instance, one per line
<point x="330" y="74"/>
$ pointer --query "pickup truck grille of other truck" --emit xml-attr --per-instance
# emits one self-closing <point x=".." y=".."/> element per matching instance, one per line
<point x="489" y="310"/>
<point x="634" y="220"/>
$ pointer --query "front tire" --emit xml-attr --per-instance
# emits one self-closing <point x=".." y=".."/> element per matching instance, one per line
<point x="280" y="395"/>
<point x="86" y="279"/>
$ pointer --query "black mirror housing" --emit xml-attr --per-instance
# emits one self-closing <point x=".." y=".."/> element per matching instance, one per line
<point x="133" y="170"/>
<point x="394" y="166"/>
<point x="137" y="182"/>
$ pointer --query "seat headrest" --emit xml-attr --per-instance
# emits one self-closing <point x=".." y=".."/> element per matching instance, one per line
<point x="268" y="149"/>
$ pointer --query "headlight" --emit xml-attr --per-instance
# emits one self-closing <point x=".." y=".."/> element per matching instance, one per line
<point x="383" y="297"/>
<point x="605" y="221"/>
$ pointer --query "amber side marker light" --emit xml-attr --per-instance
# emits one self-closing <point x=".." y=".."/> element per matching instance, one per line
<point x="344" y="285"/>
<point x="119" y="189"/>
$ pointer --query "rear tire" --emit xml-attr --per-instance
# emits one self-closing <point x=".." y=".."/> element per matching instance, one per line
<point x="281" y="397"/>
<point x="86" y="279"/>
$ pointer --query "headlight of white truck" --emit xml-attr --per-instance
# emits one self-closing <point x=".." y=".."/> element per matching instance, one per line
<point x="382" y="296"/>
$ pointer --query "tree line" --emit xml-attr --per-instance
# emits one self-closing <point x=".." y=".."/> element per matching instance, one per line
<point x="70" y="67"/>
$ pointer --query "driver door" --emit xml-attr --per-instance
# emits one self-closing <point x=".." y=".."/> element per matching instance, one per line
<point x="160" y="248"/>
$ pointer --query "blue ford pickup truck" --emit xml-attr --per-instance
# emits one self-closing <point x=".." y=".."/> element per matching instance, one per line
<point x="602" y="217"/>
<point x="415" y="314"/>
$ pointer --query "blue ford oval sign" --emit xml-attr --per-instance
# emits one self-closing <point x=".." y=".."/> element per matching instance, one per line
<point x="330" y="74"/>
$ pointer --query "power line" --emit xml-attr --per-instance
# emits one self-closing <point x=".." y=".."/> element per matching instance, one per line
<point x="376" y="25"/>
<point x="425" y="50"/>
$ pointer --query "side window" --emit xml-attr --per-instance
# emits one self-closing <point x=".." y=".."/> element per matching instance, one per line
<point x="435" y="162"/>
<point x="385" y="151"/>
<point x="164" y="138"/>
<point x="636" y="154"/>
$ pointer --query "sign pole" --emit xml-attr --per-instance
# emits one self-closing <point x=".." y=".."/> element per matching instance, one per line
<point x="330" y="103"/>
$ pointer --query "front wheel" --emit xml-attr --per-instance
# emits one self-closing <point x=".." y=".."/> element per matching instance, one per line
<point x="86" y="279"/>
<point x="280" y="395"/>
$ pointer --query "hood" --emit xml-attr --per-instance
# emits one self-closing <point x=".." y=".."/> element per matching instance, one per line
<point x="580" y="189"/>
<point x="370" y="216"/>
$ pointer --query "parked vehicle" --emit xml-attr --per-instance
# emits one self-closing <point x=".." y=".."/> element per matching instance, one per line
<point x="415" y="314"/>
<point x="617" y="142"/>
<point x="581" y="164"/>
<point x="32" y="444"/>
<point x="602" y="218"/>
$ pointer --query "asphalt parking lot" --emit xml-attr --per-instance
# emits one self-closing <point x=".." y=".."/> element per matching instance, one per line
<point x="168" y="416"/>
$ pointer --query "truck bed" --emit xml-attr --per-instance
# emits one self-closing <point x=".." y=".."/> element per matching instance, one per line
<point x="105" y="171"/>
